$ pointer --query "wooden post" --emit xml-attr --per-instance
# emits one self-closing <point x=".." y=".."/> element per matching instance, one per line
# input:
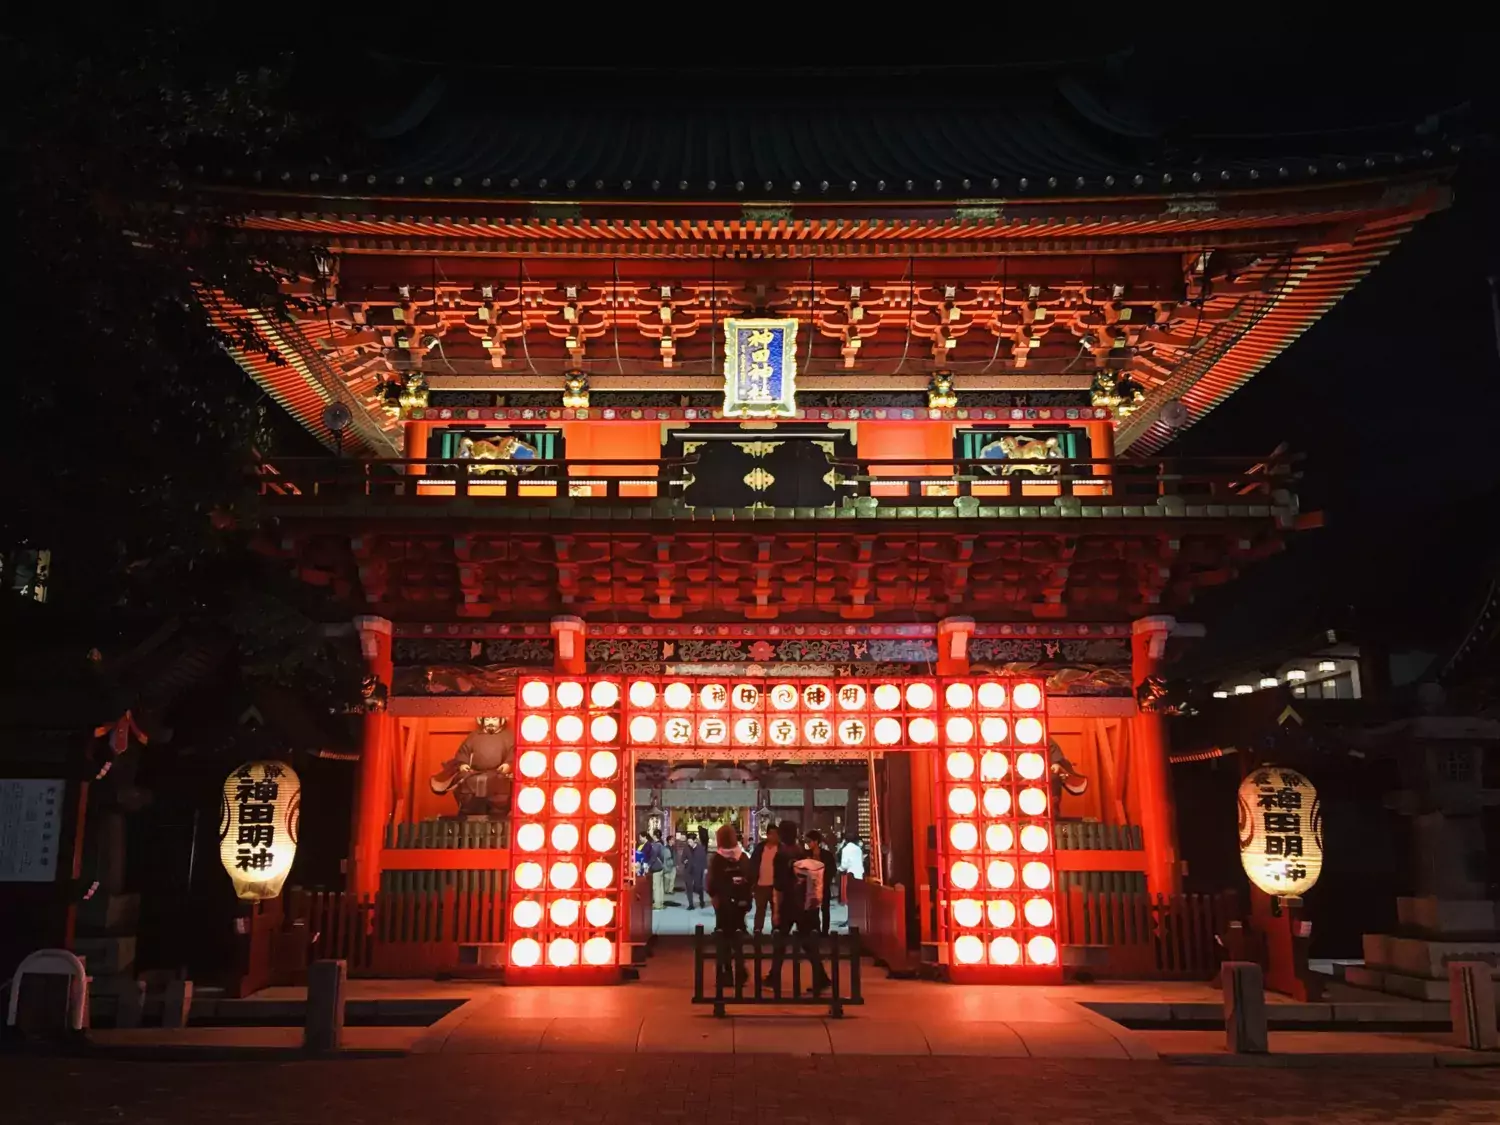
<point x="1244" y="1008"/>
<point x="953" y="645"/>
<point x="569" y="638"/>
<point x="372" y="800"/>
<point x="177" y="1003"/>
<point x="323" y="1023"/>
<point x="1150" y="764"/>
<point x="1471" y="1004"/>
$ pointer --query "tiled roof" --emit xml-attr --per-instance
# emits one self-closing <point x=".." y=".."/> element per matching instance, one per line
<point x="471" y="133"/>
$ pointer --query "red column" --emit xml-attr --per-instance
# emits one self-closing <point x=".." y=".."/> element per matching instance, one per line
<point x="953" y="635"/>
<point x="569" y="637"/>
<point x="372" y="799"/>
<point x="1149" y="748"/>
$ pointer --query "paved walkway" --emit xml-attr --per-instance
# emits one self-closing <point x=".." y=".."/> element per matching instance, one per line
<point x="604" y="1089"/>
<point x="899" y="1018"/>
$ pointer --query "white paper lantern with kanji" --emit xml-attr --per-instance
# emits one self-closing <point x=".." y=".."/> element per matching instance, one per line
<point x="258" y="827"/>
<point x="1281" y="831"/>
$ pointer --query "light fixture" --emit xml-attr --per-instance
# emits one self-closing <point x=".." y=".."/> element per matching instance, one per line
<point x="568" y="763"/>
<point x="959" y="695"/>
<point x="532" y="763"/>
<point x="993" y="730"/>
<point x="534" y="693"/>
<point x="1041" y="950"/>
<point x="922" y="731"/>
<point x="564" y="875"/>
<point x="599" y="951"/>
<point x="601" y="837"/>
<point x="642" y="693"/>
<point x="534" y="728"/>
<point x="964" y="876"/>
<point x="968" y="950"/>
<point x="525" y="953"/>
<point x="960" y="764"/>
<point x="993" y="766"/>
<point x="604" y="693"/>
<point x="999" y="838"/>
<point x="1027" y="697"/>
<point x="603" y="763"/>
<point x="603" y="728"/>
<point x="1243" y="689"/>
<point x="599" y="912"/>
<point x="1221" y="695"/>
<point x="1028" y="731"/>
<point x="562" y="952"/>
<point x="1327" y="666"/>
<point x="569" y="728"/>
<point x="964" y="836"/>
<point x="602" y="801"/>
<point x="527" y="913"/>
<point x="563" y="912"/>
<point x="991" y="695"/>
<point x="1005" y="951"/>
<point x="1294" y="674"/>
<point x="1038" y="912"/>
<point x="959" y="728"/>
<point x="967" y="913"/>
<point x="566" y="800"/>
<point x="569" y="694"/>
<point x="1268" y="681"/>
<point x="997" y="802"/>
<point x="599" y="875"/>
<point x="962" y="801"/>
<point x="1000" y="874"/>
<point x="530" y="800"/>
<point x="1001" y="913"/>
<point x="565" y="837"/>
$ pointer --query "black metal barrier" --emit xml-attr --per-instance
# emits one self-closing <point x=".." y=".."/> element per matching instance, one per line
<point x="741" y="960"/>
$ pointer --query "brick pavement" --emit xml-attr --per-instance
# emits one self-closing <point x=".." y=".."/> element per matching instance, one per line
<point x="729" y="1090"/>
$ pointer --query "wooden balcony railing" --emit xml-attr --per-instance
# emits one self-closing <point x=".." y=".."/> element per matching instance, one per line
<point x="863" y="486"/>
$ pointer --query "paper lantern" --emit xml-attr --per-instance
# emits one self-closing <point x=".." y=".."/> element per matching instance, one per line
<point x="604" y="693"/>
<point x="599" y="912"/>
<point x="258" y="826"/>
<point x="1281" y="831"/>
<point x="602" y="801"/>
<point x="566" y="800"/>
<point x="959" y="695"/>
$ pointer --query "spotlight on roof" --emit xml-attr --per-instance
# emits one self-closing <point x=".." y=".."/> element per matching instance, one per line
<point x="1293" y="674"/>
<point x="1243" y="689"/>
<point x="1221" y="695"/>
<point x="1327" y="666"/>
<point x="1268" y="681"/>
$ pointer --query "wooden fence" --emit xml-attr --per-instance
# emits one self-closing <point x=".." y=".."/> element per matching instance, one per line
<point x="879" y="913"/>
<point x="1136" y="936"/>
<point x="398" y="933"/>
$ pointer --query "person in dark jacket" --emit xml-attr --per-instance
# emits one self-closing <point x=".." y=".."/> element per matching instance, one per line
<point x="767" y="863"/>
<point x="729" y="889"/>
<point x="694" y="868"/>
<point x="805" y="887"/>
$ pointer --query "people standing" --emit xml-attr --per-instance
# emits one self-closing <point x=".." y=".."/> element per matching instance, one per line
<point x="679" y="857"/>
<point x="730" y="885"/>
<point x="668" y="870"/>
<point x="814" y="850"/>
<point x="656" y="864"/>
<point x="765" y="865"/>
<point x="694" y="867"/>
<point x="802" y="912"/>
<point x="851" y="864"/>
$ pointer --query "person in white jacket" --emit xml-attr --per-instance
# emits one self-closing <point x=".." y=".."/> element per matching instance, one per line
<point x="851" y="864"/>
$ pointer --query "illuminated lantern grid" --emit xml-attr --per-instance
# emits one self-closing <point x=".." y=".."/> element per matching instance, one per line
<point x="995" y="832"/>
<point x="567" y="849"/>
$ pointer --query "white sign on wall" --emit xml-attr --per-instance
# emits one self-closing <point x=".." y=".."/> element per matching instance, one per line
<point x="31" y="815"/>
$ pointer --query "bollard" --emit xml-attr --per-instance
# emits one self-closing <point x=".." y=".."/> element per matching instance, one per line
<point x="1244" y="1008"/>
<point x="176" y="1003"/>
<point x="1471" y="1005"/>
<point x="323" y="1027"/>
<point x="130" y="1000"/>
